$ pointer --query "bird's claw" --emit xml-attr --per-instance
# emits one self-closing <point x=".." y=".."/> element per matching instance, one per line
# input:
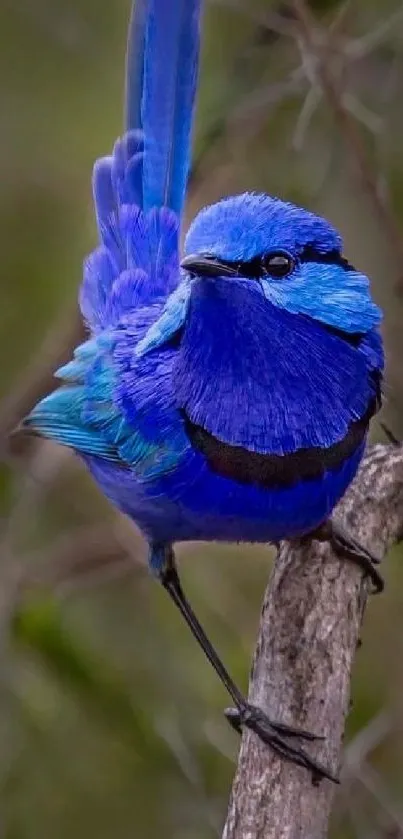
<point x="277" y="735"/>
<point x="237" y="718"/>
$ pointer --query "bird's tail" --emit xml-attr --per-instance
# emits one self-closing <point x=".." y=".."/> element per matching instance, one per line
<point x="150" y="164"/>
<point x="139" y="190"/>
<point x="161" y="79"/>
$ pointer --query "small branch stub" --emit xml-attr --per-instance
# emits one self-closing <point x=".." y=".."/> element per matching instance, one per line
<point x="309" y="631"/>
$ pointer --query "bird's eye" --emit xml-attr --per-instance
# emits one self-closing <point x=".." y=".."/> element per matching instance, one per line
<point x="277" y="264"/>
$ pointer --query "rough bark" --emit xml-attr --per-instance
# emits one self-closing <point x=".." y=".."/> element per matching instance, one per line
<point x="309" y="631"/>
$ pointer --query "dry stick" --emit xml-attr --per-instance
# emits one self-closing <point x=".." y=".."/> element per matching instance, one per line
<point x="318" y="46"/>
<point x="309" y="629"/>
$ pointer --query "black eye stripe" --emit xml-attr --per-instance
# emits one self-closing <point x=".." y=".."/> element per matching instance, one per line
<point x="310" y="254"/>
<point x="254" y="268"/>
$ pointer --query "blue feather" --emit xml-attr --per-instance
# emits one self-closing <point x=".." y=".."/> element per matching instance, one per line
<point x="127" y="169"/>
<point x="117" y="180"/>
<point x="103" y="193"/>
<point x="59" y="417"/>
<point x="136" y="45"/>
<point x="170" y="77"/>
<point x="161" y="77"/>
<point x="137" y="264"/>
<point x="171" y="321"/>
<point x="328" y="293"/>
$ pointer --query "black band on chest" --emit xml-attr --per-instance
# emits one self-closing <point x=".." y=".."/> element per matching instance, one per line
<point x="270" y="470"/>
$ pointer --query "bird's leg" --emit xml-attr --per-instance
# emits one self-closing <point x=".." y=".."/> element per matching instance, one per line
<point x="348" y="548"/>
<point x="275" y="734"/>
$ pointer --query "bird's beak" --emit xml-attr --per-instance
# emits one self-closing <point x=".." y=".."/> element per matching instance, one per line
<point x="207" y="266"/>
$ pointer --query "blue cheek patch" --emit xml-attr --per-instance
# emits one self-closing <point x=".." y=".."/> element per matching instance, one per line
<point x="329" y="294"/>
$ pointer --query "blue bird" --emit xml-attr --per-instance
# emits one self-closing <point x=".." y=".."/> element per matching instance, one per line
<point x="227" y="394"/>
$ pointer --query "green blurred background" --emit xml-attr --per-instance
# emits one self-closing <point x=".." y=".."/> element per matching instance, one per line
<point x="110" y="720"/>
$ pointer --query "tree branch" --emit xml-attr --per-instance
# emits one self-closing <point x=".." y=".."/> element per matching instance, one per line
<point x="309" y="631"/>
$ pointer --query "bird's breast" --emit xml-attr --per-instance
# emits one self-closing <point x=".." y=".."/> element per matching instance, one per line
<point x="267" y="396"/>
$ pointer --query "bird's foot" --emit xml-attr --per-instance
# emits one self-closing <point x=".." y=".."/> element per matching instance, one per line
<point x="277" y="735"/>
<point x="346" y="547"/>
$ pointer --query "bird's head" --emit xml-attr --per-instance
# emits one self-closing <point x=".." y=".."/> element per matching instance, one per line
<point x="291" y="257"/>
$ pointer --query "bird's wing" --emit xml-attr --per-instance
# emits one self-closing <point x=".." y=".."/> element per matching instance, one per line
<point x="62" y="416"/>
<point x="87" y="412"/>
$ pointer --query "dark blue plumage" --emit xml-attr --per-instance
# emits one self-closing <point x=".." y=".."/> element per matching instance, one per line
<point x="228" y="399"/>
